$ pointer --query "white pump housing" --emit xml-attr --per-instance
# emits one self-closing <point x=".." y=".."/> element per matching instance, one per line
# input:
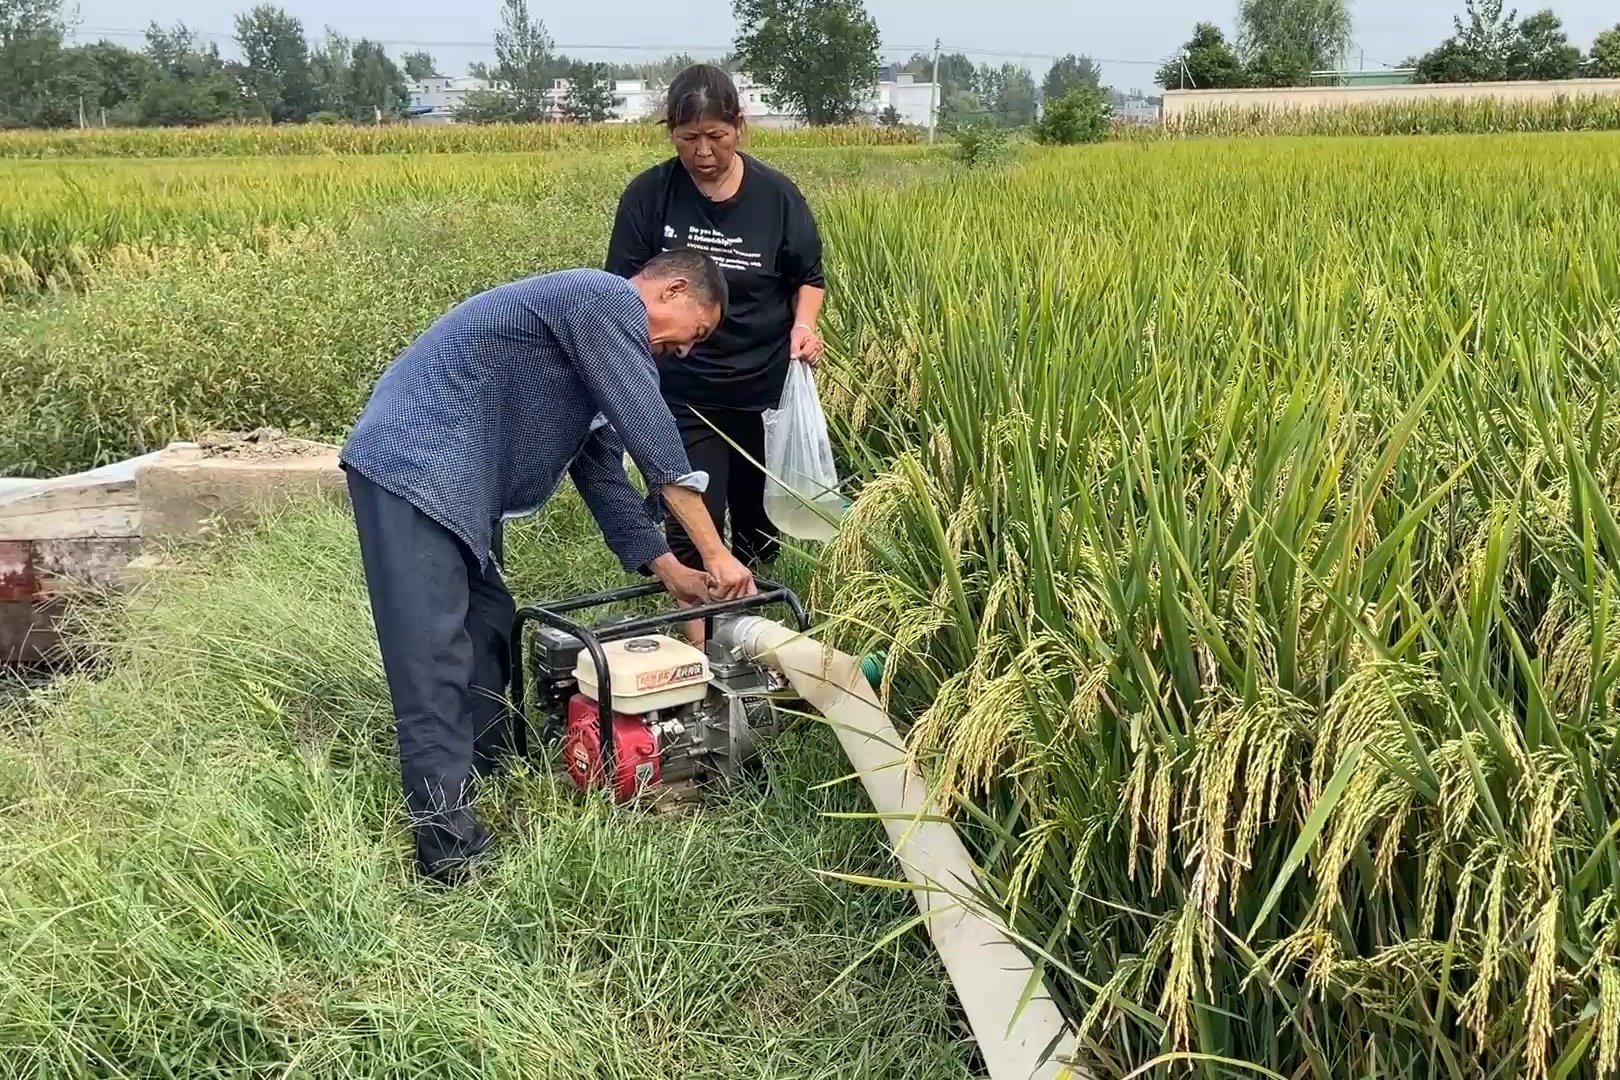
<point x="649" y="674"/>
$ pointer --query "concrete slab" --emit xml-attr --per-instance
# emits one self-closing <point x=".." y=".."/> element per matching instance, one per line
<point x="87" y="530"/>
<point x="181" y="492"/>
<point x="96" y="504"/>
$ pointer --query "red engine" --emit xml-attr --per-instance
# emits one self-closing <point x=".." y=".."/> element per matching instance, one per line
<point x="637" y="765"/>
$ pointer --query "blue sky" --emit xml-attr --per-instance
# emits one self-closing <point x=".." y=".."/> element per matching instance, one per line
<point x="1027" y="31"/>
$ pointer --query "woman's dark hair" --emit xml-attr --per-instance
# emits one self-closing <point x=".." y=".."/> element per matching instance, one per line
<point x="702" y="92"/>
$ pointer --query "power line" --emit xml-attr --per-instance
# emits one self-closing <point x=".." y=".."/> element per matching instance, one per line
<point x="1008" y="55"/>
<point x="211" y="35"/>
<point x="214" y="35"/>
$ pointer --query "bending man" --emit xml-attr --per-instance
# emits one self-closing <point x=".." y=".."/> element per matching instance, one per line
<point x="476" y="422"/>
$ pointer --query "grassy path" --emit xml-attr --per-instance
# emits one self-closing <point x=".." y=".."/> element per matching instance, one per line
<point x="201" y="873"/>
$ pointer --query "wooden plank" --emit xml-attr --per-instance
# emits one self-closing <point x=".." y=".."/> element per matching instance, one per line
<point x="67" y="493"/>
<point x="16" y="485"/>
<point x="112" y="521"/>
<point x="100" y="503"/>
<point x="117" y="472"/>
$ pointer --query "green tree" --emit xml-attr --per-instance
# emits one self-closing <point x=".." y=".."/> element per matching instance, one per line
<point x="1283" y="41"/>
<point x="1606" y="54"/>
<point x="1479" y="50"/>
<point x="275" y="62"/>
<point x="819" y="58"/>
<point x="329" y="74"/>
<point x="590" y="95"/>
<point x="191" y="85"/>
<point x="1007" y="93"/>
<point x="656" y="72"/>
<point x="1542" y="50"/>
<point x="489" y="107"/>
<point x="890" y="117"/>
<point x="1079" y="116"/>
<point x="955" y="98"/>
<point x="1067" y="73"/>
<point x="120" y="75"/>
<point x="376" y="84"/>
<point x="525" y="61"/>
<point x="956" y="71"/>
<point x="93" y="82"/>
<point x="961" y="107"/>
<point x="31" y="33"/>
<point x="1207" y="62"/>
<point x="420" y="65"/>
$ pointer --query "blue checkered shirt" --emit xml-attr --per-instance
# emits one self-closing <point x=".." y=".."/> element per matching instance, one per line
<point x="478" y="420"/>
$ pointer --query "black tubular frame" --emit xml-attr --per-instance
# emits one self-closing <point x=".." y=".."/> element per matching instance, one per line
<point x="593" y="638"/>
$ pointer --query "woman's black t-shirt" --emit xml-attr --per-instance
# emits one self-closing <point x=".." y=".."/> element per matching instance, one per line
<point x="764" y="238"/>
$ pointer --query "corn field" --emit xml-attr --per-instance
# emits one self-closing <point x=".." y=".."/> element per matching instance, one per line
<point x="257" y="140"/>
<point x="1239" y="521"/>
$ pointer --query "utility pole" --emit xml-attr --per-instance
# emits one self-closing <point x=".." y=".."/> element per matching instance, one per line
<point x="82" y="124"/>
<point x="933" y="94"/>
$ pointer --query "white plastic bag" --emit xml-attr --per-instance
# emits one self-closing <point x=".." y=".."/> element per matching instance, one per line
<point x="801" y="482"/>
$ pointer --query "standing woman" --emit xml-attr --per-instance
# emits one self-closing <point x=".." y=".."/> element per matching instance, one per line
<point x="754" y="222"/>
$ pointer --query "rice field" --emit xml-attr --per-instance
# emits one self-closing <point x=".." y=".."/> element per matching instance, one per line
<point x="1237" y="516"/>
<point x="250" y="140"/>
<point x="61" y="219"/>
<point x="1244" y="515"/>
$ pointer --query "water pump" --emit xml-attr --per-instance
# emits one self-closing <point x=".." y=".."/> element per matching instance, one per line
<point x="637" y="711"/>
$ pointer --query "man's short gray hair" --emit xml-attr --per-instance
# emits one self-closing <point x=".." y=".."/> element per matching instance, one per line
<point x="703" y="274"/>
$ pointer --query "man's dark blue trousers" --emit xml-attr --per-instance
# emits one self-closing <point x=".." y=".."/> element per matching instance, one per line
<point x="444" y="629"/>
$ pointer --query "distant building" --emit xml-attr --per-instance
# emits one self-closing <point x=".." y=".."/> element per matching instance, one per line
<point x="1365" y="77"/>
<point x="902" y="92"/>
<point x="434" y="100"/>
<point x="1135" y="108"/>
<point x="634" y="100"/>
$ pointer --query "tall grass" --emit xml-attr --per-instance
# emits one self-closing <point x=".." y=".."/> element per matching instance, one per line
<point x="318" y="139"/>
<point x="1240" y="525"/>
<point x="203" y="873"/>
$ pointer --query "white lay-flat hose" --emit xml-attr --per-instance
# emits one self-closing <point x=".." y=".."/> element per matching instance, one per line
<point x="989" y="971"/>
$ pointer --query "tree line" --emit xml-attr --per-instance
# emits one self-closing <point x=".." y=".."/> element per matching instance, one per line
<point x="178" y="78"/>
<point x="1281" y="42"/>
<point x="1005" y="95"/>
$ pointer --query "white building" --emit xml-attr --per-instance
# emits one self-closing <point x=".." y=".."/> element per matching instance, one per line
<point x="634" y="100"/>
<point x="1136" y="108"/>
<point x="434" y="100"/>
<point x="913" y="100"/>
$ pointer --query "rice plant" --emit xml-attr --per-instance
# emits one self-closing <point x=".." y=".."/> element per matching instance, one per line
<point x="255" y="140"/>
<point x="1239" y="522"/>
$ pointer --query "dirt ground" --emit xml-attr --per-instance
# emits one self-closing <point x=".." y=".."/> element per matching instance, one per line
<point x="265" y="444"/>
